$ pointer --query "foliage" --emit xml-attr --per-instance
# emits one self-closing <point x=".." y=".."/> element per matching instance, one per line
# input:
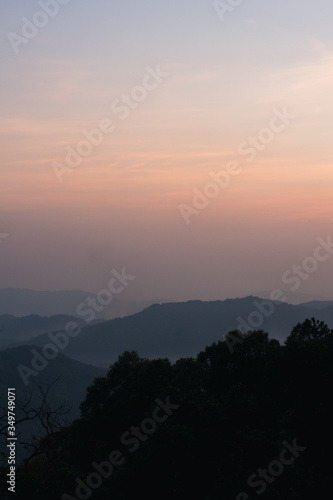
<point x="234" y="412"/>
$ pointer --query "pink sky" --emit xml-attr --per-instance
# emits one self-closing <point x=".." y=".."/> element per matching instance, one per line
<point x="120" y="205"/>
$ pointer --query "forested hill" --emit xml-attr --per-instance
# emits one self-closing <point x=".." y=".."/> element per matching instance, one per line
<point x="183" y="329"/>
<point x="219" y="426"/>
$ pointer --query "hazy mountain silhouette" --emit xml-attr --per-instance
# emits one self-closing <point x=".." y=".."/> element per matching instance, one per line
<point x="71" y="379"/>
<point x="294" y="298"/>
<point x="24" y="329"/>
<point x="181" y="329"/>
<point x="73" y="376"/>
<point x="23" y="302"/>
<point x="317" y="304"/>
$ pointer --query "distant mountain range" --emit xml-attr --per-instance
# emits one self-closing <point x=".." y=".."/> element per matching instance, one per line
<point x="23" y="302"/>
<point x="172" y="330"/>
<point x="295" y="298"/>
<point x="23" y="329"/>
<point x="72" y="376"/>
<point x="71" y="379"/>
<point x="183" y="329"/>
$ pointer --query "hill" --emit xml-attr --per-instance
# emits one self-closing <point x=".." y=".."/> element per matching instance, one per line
<point x="24" y="329"/>
<point x="72" y="376"/>
<point x="23" y="302"/>
<point x="71" y="379"/>
<point x="210" y="427"/>
<point x="176" y="330"/>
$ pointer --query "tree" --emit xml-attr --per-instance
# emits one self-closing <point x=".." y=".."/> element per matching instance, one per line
<point x="308" y="331"/>
<point x="49" y="418"/>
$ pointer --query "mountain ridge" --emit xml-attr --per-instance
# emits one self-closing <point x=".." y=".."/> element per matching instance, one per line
<point x="181" y="329"/>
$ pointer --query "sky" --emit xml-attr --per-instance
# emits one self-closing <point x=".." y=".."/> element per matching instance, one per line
<point x="186" y="141"/>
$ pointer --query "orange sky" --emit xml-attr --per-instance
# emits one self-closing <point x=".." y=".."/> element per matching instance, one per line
<point x="121" y="203"/>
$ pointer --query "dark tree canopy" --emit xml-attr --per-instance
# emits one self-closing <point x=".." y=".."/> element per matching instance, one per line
<point x="226" y="414"/>
<point x="310" y="329"/>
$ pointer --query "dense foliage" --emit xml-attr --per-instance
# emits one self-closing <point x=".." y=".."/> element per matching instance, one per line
<point x="229" y="415"/>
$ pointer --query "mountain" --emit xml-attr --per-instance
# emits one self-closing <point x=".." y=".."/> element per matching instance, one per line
<point x="23" y="329"/>
<point x="23" y="302"/>
<point x="317" y="304"/>
<point x="72" y="376"/>
<point x="71" y="379"/>
<point x="295" y="298"/>
<point x="176" y="330"/>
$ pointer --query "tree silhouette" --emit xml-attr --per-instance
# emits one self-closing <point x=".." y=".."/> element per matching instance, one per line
<point x="235" y="411"/>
